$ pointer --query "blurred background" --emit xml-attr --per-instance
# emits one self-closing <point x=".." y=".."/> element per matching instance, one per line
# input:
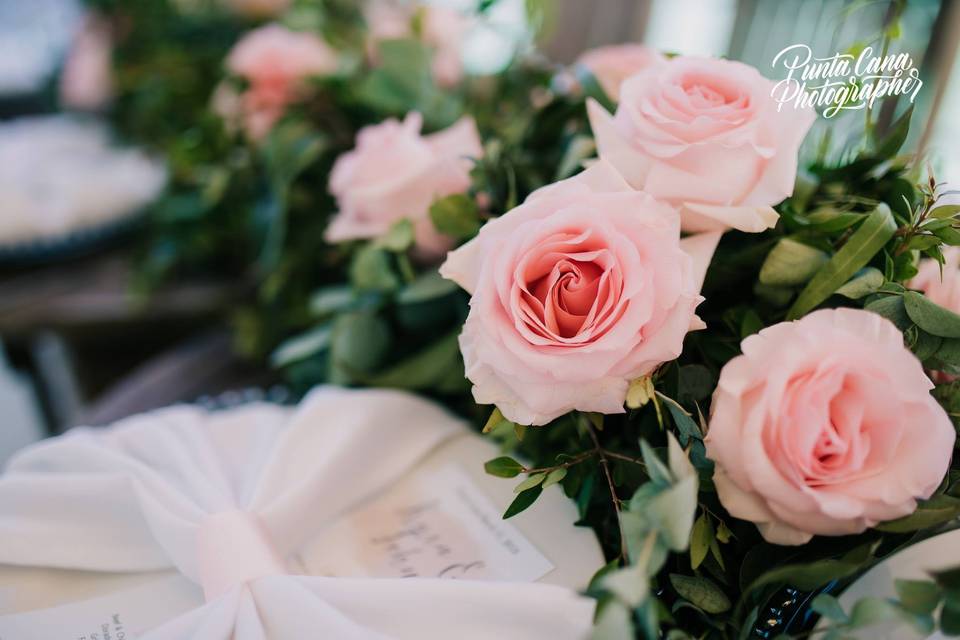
<point x="81" y="344"/>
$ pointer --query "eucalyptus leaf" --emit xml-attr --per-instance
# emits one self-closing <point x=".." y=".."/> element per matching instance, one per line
<point x="358" y="344"/>
<point x="930" y="316"/>
<point x="878" y="227"/>
<point x="918" y="596"/>
<point x="829" y="607"/>
<point x="892" y="308"/>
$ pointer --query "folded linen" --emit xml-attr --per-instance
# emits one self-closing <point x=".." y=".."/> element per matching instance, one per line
<point x="228" y="499"/>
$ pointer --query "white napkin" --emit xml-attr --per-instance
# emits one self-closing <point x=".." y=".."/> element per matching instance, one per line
<point x="227" y="498"/>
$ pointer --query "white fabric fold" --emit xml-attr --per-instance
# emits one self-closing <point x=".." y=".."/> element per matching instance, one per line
<point x="227" y="498"/>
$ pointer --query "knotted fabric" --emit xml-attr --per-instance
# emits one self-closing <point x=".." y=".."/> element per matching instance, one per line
<point x="227" y="498"/>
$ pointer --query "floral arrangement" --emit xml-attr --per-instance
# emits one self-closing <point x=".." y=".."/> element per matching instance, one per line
<point x="739" y="365"/>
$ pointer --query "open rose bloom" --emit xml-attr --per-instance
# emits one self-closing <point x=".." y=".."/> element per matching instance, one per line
<point x="276" y="62"/>
<point x="704" y="135"/>
<point x="394" y="172"/>
<point x="582" y="288"/>
<point x="826" y="426"/>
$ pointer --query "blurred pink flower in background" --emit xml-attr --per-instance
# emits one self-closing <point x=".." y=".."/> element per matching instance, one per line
<point x="613" y="64"/>
<point x="394" y="172"/>
<point x="86" y="82"/>
<point x="442" y="28"/>
<point x="276" y="62"/>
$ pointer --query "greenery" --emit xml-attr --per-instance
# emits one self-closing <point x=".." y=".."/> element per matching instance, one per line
<point x="368" y="313"/>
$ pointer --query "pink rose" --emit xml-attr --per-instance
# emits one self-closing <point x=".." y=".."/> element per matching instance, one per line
<point x="613" y="64"/>
<point x="443" y="29"/>
<point x="705" y="135"/>
<point x="394" y="172"/>
<point x="257" y="8"/>
<point x="942" y="289"/>
<point x="582" y="288"/>
<point x="826" y="426"/>
<point x="276" y="62"/>
<point x="87" y="79"/>
<point x="942" y="286"/>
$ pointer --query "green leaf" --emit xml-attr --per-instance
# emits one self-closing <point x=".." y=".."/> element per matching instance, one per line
<point x="359" y="342"/>
<point x="701" y="592"/>
<point x="523" y="500"/>
<point x="870" y="611"/>
<point x="398" y="238"/>
<point x="806" y="577"/>
<point x="892" y="308"/>
<point x="937" y="510"/>
<point x="944" y="211"/>
<point x="614" y="622"/>
<point x="865" y="282"/>
<point x="918" y="596"/>
<point x="700" y="538"/>
<point x="371" y="270"/>
<point x="860" y="248"/>
<point x="896" y="135"/>
<point x="686" y="426"/>
<point x="554" y="477"/>
<point x="301" y="346"/>
<point x="791" y="263"/>
<point x="291" y="147"/>
<point x="829" y="607"/>
<point x="456" y="215"/>
<point x="330" y="300"/>
<point x="930" y="316"/>
<point x="435" y="367"/>
<point x="950" y="617"/>
<point x="429" y="285"/>
<point x="658" y="472"/>
<point x="531" y="481"/>
<point x="503" y="467"/>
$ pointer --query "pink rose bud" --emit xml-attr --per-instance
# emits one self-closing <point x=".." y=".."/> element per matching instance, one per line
<point x="394" y="172"/>
<point x="576" y="292"/>
<point x="613" y="64"/>
<point x="826" y="426"/>
<point x="704" y="135"/>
